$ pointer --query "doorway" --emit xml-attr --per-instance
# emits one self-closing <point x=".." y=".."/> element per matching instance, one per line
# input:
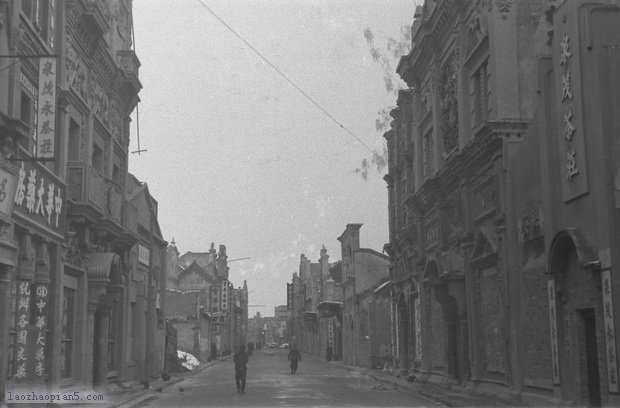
<point x="590" y="351"/>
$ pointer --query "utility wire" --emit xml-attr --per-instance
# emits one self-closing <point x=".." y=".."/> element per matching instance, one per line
<point x="286" y="77"/>
<point x="13" y="63"/>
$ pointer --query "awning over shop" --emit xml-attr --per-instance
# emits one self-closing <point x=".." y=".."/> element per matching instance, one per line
<point x="99" y="265"/>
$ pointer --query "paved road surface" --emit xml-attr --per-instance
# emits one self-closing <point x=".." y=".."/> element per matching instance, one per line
<point x="270" y="384"/>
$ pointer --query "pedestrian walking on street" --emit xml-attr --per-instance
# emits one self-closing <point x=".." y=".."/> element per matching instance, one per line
<point x="386" y="356"/>
<point x="241" y="368"/>
<point x="294" y="357"/>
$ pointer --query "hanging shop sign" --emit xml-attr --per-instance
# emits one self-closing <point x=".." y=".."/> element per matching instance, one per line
<point x="144" y="254"/>
<point x="224" y="296"/>
<point x="21" y="326"/>
<point x="610" y="332"/>
<point x="39" y="196"/>
<point x="571" y="135"/>
<point x="46" y="108"/>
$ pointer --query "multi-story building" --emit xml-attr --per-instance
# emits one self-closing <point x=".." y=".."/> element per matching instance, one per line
<point x="304" y="295"/>
<point x="502" y="212"/>
<point x="210" y="315"/>
<point x="80" y="245"/>
<point x="330" y="314"/>
<point x="363" y="269"/>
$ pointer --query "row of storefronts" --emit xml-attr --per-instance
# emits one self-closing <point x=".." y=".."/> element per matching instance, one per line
<point x="503" y="199"/>
<point x="209" y="314"/>
<point x="82" y="259"/>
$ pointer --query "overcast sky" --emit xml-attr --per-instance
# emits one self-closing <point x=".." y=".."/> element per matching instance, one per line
<point x="236" y="155"/>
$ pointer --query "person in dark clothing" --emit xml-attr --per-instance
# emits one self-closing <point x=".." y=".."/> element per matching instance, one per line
<point x="294" y="357"/>
<point x="241" y="367"/>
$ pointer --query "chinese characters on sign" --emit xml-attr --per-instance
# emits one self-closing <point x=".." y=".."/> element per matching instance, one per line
<point x="22" y="316"/>
<point x="46" y="108"/>
<point x="572" y="168"/>
<point x="40" y="314"/>
<point x="39" y="196"/>
<point x="610" y="332"/>
<point x="569" y="100"/>
<point x="553" y="332"/>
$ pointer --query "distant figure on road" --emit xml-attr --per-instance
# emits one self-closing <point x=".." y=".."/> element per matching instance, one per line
<point x="295" y="357"/>
<point x="241" y="368"/>
<point x="386" y="357"/>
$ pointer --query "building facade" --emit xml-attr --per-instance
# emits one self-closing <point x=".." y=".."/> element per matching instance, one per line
<point x="71" y="234"/>
<point x="363" y="270"/>
<point x="210" y="315"/>
<point x="501" y="199"/>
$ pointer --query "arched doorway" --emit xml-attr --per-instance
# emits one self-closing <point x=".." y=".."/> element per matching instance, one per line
<point x="444" y="322"/>
<point x="579" y="326"/>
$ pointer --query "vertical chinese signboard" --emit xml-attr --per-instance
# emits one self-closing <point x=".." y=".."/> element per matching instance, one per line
<point x="46" y="108"/>
<point x="40" y="324"/>
<point x="215" y="298"/>
<point x="21" y="326"/>
<point x="553" y="332"/>
<point x="224" y="296"/>
<point x="571" y="136"/>
<point x="610" y="332"/>
<point x="289" y="296"/>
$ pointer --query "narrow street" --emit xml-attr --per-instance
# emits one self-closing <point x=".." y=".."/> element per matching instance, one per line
<point x="270" y="384"/>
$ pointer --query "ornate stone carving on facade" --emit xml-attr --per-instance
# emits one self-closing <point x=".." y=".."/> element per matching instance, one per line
<point x="504" y="6"/>
<point x="72" y="253"/>
<point x="486" y="196"/>
<point x="123" y="28"/>
<point x="476" y="30"/>
<point x="7" y="146"/>
<point x="5" y="231"/>
<point x="449" y="117"/>
<point x="99" y="101"/>
<point x="116" y="125"/>
<point x="76" y="73"/>
<point x="530" y="224"/>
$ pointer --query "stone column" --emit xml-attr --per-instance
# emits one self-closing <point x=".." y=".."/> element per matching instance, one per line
<point x="88" y="355"/>
<point x="139" y="331"/>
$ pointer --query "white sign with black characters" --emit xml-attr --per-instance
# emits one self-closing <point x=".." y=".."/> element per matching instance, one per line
<point x="144" y="254"/>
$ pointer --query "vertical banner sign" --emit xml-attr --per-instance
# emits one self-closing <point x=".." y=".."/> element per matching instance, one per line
<point x="553" y="324"/>
<point x="330" y="333"/>
<point x="289" y="296"/>
<point x="215" y="299"/>
<point x="224" y="296"/>
<point x="610" y="332"/>
<point x="570" y="111"/>
<point x="40" y="323"/>
<point x="418" y="330"/>
<point x="22" y="316"/>
<point x="46" y="108"/>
